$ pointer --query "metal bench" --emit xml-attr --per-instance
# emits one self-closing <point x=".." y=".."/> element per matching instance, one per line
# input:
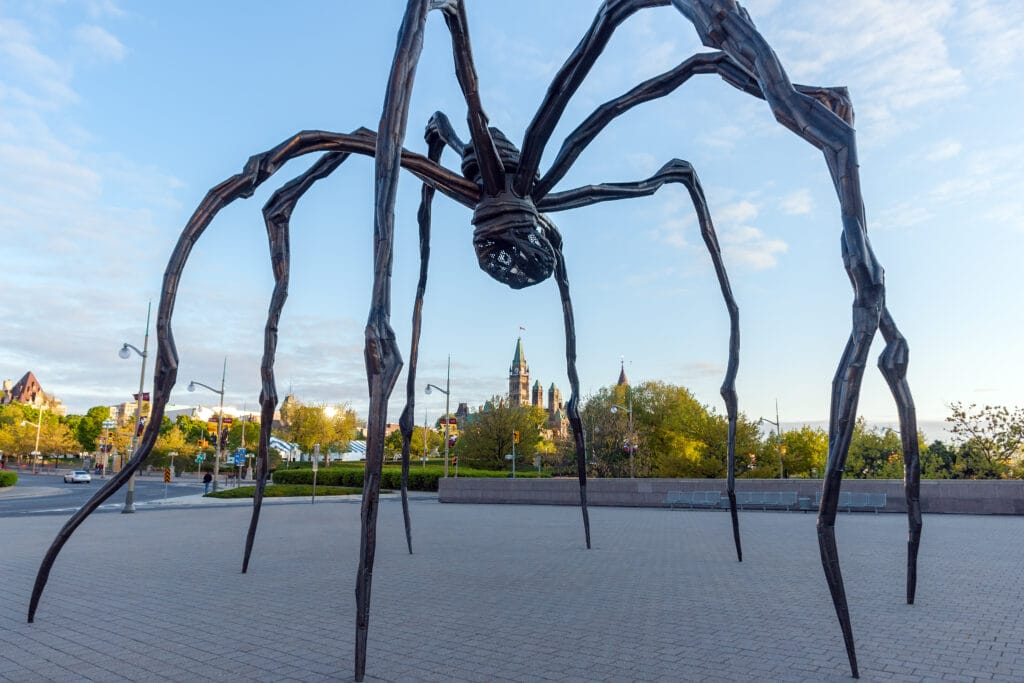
<point x="775" y="500"/>
<point x="692" y="499"/>
<point x="856" y="500"/>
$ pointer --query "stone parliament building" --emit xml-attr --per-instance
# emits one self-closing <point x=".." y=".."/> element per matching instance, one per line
<point x="520" y="393"/>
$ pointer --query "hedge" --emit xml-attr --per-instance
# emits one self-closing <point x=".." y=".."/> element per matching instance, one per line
<point x="286" y="490"/>
<point x="420" y="478"/>
<point x="8" y="478"/>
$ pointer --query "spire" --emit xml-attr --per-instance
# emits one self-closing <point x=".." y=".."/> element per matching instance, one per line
<point x="519" y="359"/>
<point x="623" y="380"/>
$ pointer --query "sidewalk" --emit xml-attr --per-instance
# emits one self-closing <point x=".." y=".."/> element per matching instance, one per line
<point x="508" y="593"/>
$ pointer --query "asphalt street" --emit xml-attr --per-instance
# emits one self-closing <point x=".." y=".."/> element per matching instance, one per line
<point x="36" y="494"/>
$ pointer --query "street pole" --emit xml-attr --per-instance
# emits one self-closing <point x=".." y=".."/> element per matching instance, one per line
<point x="129" y="499"/>
<point x="632" y="438"/>
<point x="447" y="395"/>
<point x="778" y="435"/>
<point x="220" y="427"/>
<point x="447" y="414"/>
<point x="39" y="429"/>
<point x="218" y="450"/>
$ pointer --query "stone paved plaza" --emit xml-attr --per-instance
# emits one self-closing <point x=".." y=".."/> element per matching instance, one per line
<point x="508" y="593"/>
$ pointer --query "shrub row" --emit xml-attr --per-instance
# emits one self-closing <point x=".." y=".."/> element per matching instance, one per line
<point x="286" y="490"/>
<point x="8" y="478"/>
<point x="420" y="478"/>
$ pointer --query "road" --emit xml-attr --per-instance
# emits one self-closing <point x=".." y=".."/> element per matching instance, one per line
<point x="37" y="494"/>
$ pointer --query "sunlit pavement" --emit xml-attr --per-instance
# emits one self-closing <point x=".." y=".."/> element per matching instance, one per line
<point x="508" y="593"/>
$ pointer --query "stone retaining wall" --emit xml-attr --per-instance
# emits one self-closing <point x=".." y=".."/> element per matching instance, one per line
<point x="961" y="496"/>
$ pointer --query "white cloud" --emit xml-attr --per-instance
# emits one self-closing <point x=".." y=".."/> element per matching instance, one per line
<point x="724" y="137"/>
<point x="797" y="203"/>
<point x="943" y="149"/>
<point x="743" y="245"/>
<point x="99" y="43"/>
<point x="903" y="215"/>
<point x="748" y="246"/>
<point x="996" y="30"/>
<point x="735" y="213"/>
<point x="30" y="77"/>
<point x="891" y="53"/>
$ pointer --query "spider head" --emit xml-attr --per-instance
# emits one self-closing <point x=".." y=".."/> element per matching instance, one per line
<point x="513" y="242"/>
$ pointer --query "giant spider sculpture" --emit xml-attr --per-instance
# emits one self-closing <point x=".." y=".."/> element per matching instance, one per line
<point x="517" y="244"/>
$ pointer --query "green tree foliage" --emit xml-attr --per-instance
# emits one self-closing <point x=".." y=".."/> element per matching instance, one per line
<point x="874" y="453"/>
<point x="435" y="443"/>
<point x="989" y="438"/>
<point x="804" y="452"/>
<point x="250" y="429"/>
<point x="674" y="434"/>
<point x="308" y="424"/>
<point x="486" y="437"/>
<point x="90" y="427"/>
<point x="938" y="461"/>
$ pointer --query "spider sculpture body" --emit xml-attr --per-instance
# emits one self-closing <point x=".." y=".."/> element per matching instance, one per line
<point x="517" y="244"/>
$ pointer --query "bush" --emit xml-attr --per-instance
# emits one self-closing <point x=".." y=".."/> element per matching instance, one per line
<point x="286" y="490"/>
<point x="8" y="478"/>
<point x="420" y="478"/>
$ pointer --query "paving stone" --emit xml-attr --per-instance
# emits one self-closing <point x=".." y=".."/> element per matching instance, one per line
<point x="509" y="593"/>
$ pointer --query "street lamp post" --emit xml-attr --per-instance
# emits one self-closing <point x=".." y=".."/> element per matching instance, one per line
<point x="632" y="443"/>
<point x="219" y="449"/>
<point x="778" y="434"/>
<point x="129" y="499"/>
<point x="446" y="391"/>
<point x="39" y="428"/>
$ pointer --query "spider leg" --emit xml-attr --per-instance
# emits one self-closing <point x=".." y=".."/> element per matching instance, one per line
<point x="567" y="81"/>
<point x="257" y="170"/>
<point x="678" y="171"/>
<point x="893" y="364"/>
<point x="492" y="171"/>
<point x="572" y="407"/>
<point x="824" y="118"/>
<point x="661" y="86"/>
<point x="383" y="359"/>
<point x="435" y="145"/>
<point x="277" y="215"/>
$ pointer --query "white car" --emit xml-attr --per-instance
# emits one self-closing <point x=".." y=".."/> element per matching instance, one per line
<point x="77" y="477"/>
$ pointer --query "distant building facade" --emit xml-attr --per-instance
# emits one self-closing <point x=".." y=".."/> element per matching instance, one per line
<point x="28" y="391"/>
<point x="521" y="394"/>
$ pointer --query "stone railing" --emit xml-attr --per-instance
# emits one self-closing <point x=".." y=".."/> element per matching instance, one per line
<point x="956" y="496"/>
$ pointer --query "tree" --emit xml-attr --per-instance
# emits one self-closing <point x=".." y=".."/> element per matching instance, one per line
<point x="990" y="439"/>
<point x="487" y="436"/>
<point x="307" y="425"/>
<point x="250" y="429"/>
<point x="805" y="451"/>
<point x="938" y="461"/>
<point x="90" y="427"/>
<point x="393" y="442"/>
<point x="874" y="453"/>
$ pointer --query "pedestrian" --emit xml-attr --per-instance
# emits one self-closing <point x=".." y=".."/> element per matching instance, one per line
<point x="207" y="478"/>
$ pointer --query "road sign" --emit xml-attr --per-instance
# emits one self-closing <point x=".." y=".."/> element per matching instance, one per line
<point x="201" y="457"/>
<point x="239" y="458"/>
<point x="109" y="423"/>
<point x="167" y="475"/>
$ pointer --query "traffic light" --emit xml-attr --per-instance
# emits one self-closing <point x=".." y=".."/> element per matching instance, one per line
<point x="515" y="436"/>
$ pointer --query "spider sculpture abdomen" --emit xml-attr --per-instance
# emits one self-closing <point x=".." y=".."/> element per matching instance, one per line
<point x="510" y="242"/>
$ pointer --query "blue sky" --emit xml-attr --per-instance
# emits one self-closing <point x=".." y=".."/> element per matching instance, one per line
<point x="116" y="118"/>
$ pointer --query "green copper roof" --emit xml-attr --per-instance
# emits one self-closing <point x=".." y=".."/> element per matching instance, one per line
<point x="520" y="358"/>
